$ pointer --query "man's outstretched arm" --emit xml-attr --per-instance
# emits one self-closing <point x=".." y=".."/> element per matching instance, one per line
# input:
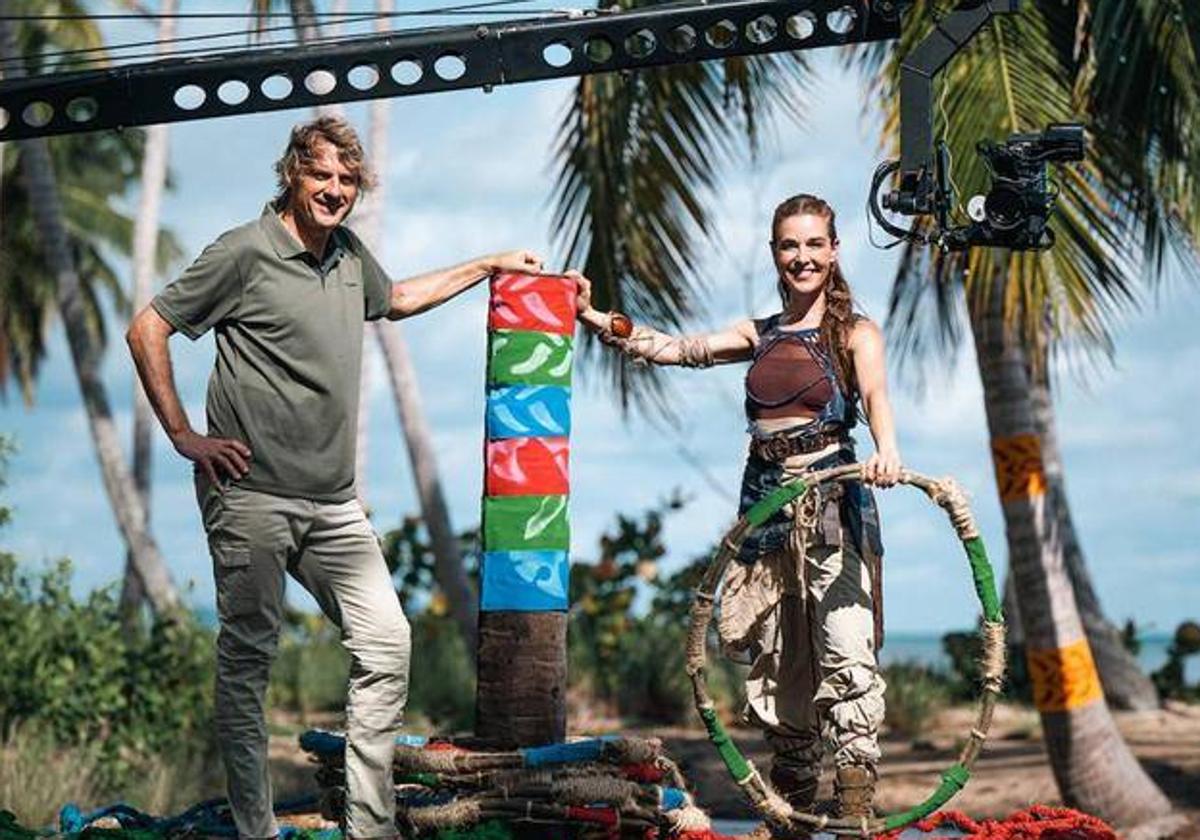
<point x="425" y="291"/>
<point x="148" y="337"/>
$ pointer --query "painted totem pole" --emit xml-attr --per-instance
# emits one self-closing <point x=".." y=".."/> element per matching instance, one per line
<point x="526" y="536"/>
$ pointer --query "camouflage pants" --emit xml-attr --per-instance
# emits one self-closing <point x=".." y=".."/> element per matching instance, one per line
<point x="804" y="616"/>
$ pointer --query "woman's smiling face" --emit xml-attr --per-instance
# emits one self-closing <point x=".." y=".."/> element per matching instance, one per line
<point x="804" y="252"/>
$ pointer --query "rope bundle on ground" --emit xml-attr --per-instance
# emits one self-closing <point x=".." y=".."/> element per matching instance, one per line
<point x="623" y="787"/>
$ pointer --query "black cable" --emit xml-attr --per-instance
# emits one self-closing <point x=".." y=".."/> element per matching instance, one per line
<point x="237" y="15"/>
<point x="885" y="169"/>
<point x="102" y="56"/>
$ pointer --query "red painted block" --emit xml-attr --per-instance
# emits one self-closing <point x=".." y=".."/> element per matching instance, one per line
<point x="527" y="467"/>
<point x="528" y="302"/>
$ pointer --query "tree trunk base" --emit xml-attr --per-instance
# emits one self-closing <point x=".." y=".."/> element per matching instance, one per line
<point x="521" y="698"/>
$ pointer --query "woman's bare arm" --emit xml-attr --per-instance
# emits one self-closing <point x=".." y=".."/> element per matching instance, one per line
<point x="870" y="370"/>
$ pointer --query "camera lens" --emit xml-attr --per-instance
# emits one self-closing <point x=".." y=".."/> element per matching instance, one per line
<point x="1005" y="207"/>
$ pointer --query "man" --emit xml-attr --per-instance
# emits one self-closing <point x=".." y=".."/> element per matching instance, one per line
<point x="287" y="295"/>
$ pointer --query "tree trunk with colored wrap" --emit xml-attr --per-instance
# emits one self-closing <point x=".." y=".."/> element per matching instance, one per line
<point x="521" y="695"/>
<point x="1093" y="766"/>
<point x="1126" y="686"/>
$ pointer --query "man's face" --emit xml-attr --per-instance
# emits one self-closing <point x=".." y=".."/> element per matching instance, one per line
<point x="324" y="190"/>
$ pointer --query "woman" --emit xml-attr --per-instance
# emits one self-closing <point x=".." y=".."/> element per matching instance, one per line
<point x="803" y="601"/>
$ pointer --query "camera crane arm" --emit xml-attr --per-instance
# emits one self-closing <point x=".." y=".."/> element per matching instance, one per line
<point x="919" y="178"/>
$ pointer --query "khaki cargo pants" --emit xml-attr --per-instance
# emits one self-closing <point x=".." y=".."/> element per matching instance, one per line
<point x="331" y="550"/>
<point x="804" y="617"/>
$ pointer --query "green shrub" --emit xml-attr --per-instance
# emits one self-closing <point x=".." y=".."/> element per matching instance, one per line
<point x="915" y="694"/>
<point x="442" y="687"/>
<point x="71" y="671"/>
<point x="311" y="668"/>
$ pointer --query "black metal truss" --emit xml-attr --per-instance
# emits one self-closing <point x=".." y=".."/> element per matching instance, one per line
<point x="432" y="60"/>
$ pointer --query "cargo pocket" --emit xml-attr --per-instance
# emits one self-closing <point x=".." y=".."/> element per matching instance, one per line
<point x="236" y="590"/>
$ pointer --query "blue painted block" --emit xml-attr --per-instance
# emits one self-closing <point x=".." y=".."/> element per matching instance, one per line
<point x="528" y="411"/>
<point x="525" y="581"/>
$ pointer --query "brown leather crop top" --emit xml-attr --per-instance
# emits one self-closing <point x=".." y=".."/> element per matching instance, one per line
<point x="788" y="377"/>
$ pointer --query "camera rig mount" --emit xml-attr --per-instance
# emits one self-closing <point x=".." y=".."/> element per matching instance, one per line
<point x="1016" y="210"/>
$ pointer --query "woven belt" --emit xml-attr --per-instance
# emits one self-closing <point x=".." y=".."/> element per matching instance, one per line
<point x="781" y="447"/>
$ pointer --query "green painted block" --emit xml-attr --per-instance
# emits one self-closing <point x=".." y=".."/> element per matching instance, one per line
<point x="518" y="357"/>
<point x="516" y="523"/>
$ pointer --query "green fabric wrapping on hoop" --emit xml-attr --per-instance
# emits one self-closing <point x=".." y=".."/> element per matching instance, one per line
<point x="985" y="580"/>
<point x="954" y="779"/>
<point x="738" y="767"/>
<point x="761" y="511"/>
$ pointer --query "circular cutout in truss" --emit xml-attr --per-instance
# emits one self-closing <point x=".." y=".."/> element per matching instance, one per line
<point x="190" y="97"/>
<point x="38" y="114"/>
<point x="407" y="71"/>
<point x="3" y="118"/>
<point x="557" y="54"/>
<point x="450" y="67"/>
<point x="681" y="39"/>
<point x="801" y="26"/>
<point x="641" y="43"/>
<point x="762" y="30"/>
<point x="842" y="21"/>
<point x="721" y="35"/>
<point x="320" y="82"/>
<point x="276" y="87"/>
<point x="598" y="50"/>
<point x="82" y="109"/>
<point x="233" y="92"/>
<point x="363" y="76"/>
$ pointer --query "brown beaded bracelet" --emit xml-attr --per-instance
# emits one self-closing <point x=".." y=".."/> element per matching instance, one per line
<point x="619" y="324"/>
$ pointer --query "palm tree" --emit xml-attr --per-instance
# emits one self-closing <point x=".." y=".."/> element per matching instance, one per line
<point x="1029" y="70"/>
<point x="145" y="240"/>
<point x="70" y="270"/>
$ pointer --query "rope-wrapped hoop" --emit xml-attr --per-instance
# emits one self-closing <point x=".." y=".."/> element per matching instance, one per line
<point x="773" y="808"/>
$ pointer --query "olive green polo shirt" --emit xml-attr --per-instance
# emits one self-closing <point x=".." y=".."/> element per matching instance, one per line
<point x="289" y="333"/>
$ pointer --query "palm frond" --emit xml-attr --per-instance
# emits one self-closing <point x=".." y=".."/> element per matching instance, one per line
<point x="638" y="159"/>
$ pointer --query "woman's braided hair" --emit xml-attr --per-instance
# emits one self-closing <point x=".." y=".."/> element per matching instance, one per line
<point x="839" y="316"/>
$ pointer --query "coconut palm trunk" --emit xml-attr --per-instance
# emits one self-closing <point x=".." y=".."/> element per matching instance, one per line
<point x="38" y="171"/>
<point x="1093" y="766"/>
<point x="1126" y="686"/>
<point x="145" y="247"/>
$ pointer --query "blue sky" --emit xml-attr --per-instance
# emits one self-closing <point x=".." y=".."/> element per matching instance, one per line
<point x="469" y="173"/>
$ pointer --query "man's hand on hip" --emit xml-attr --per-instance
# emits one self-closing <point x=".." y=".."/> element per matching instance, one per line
<point x="230" y="457"/>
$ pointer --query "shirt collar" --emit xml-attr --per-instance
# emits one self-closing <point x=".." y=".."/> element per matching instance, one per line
<point x="289" y="247"/>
